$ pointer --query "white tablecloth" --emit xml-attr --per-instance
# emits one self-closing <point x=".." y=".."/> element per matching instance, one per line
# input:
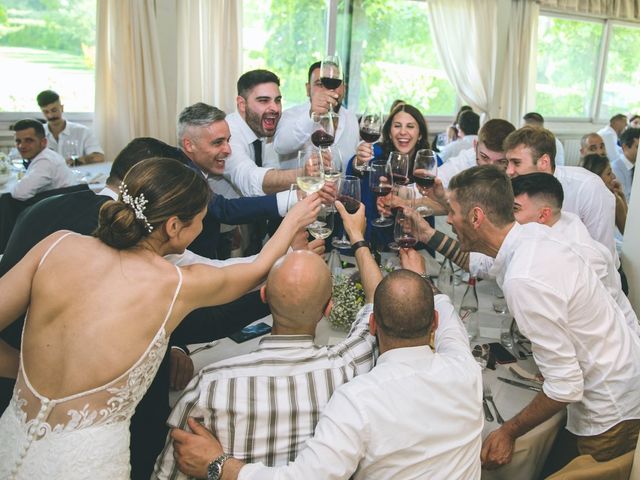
<point x="95" y="174"/>
<point x="531" y="449"/>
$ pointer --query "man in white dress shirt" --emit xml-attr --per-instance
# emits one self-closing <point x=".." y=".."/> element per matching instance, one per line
<point x="536" y="120"/>
<point x="611" y="133"/>
<point x="296" y="126"/>
<point x="486" y="150"/>
<point x="46" y="170"/>
<point x="60" y="130"/>
<point x="417" y="414"/>
<point x="532" y="149"/>
<point x="467" y="126"/>
<point x="624" y="166"/>
<point x="592" y="143"/>
<point x="259" y="106"/>
<point x="587" y="354"/>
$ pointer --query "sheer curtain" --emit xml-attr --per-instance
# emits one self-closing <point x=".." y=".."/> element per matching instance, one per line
<point x="620" y="9"/>
<point x="485" y="48"/>
<point x="130" y="89"/>
<point x="209" y="52"/>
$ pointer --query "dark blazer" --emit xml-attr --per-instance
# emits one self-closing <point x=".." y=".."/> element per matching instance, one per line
<point x="79" y="212"/>
<point x="232" y="211"/>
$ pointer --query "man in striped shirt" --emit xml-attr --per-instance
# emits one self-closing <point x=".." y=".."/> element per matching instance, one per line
<point x="264" y="406"/>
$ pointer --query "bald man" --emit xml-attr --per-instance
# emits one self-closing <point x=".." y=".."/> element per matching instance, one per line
<point x="264" y="406"/>
<point x="592" y="143"/>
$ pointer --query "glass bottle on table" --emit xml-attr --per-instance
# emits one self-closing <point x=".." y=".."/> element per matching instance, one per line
<point x="469" y="309"/>
<point x="445" y="278"/>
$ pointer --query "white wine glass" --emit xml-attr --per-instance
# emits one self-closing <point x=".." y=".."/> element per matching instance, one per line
<point x="310" y="176"/>
<point x="349" y="194"/>
<point x="70" y="151"/>
<point x="323" y="226"/>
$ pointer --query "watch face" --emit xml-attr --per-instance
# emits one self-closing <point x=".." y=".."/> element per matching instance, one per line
<point x="214" y="471"/>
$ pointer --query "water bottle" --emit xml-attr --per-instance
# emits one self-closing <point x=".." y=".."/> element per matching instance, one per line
<point x="469" y="309"/>
<point x="335" y="266"/>
<point x="445" y="278"/>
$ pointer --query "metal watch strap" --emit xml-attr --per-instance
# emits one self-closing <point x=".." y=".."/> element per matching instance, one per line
<point x="214" y="470"/>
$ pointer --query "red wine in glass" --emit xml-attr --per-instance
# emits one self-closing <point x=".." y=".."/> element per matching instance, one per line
<point x="425" y="181"/>
<point x="369" y="136"/>
<point x="330" y="83"/>
<point x="400" y="179"/>
<point x="320" y="138"/>
<point x="406" y="241"/>
<point x="381" y="190"/>
<point x="351" y="205"/>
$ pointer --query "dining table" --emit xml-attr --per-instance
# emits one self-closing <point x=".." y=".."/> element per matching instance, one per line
<point x="531" y="449"/>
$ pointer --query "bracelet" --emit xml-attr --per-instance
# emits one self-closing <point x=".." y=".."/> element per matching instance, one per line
<point x="358" y="244"/>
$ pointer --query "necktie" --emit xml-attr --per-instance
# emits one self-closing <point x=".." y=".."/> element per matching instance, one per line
<point x="257" y="148"/>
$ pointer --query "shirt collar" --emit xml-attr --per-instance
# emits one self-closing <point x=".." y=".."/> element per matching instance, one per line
<point x="246" y="132"/>
<point x="504" y="254"/>
<point x="405" y="355"/>
<point x="107" y="192"/>
<point x="625" y="161"/>
<point x="286" y="341"/>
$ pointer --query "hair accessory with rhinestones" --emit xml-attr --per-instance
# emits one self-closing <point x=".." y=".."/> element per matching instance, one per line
<point x="138" y="205"/>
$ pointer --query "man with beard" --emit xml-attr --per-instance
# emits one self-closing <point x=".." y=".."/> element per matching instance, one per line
<point x="296" y="127"/>
<point x="59" y="130"/>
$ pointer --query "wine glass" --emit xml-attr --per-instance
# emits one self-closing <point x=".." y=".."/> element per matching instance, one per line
<point x="323" y="226"/>
<point x="323" y="129"/>
<point x="70" y="151"/>
<point x="425" y="169"/>
<point x="403" y="230"/>
<point x="381" y="183"/>
<point x="310" y="170"/>
<point x="370" y="131"/>
<point x="332" y="167"/>
<point x="399" y="167"/>
<point x="331" y="75"/>
<point x="349" y="195"/>
<point x="407" y="195"/>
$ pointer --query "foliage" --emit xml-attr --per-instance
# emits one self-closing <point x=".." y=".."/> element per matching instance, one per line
<point x="348" y="298"/>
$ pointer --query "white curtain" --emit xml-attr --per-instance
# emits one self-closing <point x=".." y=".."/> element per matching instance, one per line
<point x="619" y="9"/>
<point x="485" y="48"/>
<point x="130" y="90"/>
<point x="209" y="37"/>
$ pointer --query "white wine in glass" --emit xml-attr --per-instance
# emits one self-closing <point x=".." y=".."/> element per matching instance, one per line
<point x="310" y="177"/>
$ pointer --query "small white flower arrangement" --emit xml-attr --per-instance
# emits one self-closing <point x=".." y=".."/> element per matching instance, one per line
<point x="5" y="164"/>
<point x="348" y="299"/>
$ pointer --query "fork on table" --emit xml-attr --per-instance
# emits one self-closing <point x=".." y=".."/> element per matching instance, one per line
<point x="488" y="396"/>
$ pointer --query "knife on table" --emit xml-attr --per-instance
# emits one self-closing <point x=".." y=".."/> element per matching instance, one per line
<point x="520" y="384"/>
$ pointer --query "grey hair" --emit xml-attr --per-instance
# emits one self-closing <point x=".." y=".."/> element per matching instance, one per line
<point x="198" y="115"/>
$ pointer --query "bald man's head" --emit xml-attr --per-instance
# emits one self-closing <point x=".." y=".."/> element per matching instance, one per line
<point x="298" y="289"/>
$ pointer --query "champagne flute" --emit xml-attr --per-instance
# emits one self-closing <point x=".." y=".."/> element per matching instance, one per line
<point x="407" y="195"/>
<point x="370" y="131"/>
<point x="323" y="129"/>
<point x="310" y="177"/>
<point x="323" y="226"/>
<point x="331" y="75"/>
<point x="399" y="167"/>
<point x="403" y="230"/>
<point x="425" y="169"/>
<point x="69" y="150"/>
<point x="332" y="167"/>
<point x="349" y="195"/>
<point x="381" y="183"/>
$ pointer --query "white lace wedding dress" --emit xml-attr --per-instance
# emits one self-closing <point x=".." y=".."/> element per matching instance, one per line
<point x="82" y="436"/>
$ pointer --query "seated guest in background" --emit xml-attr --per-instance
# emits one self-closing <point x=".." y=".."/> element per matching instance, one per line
<point x="624" y="165"/>
<point x="486" y="149"/>
<point x="592" y="143"/>
<point x="611" y="134"/>
<point x="532" y="149"/>
<point x="416" y="414"/>
<point x="586" y="352"/>
<point x="536" y="120"/>
<point x="296" y="126"/>
<point x="256" y="425"/>
<point x="60" y="130"/>
<point x="405" y="131"/>
<point x="46" y="170"/>
<point x="78" y="212"/>
<point x="468" y="125"/>
<point x="203" y="136"/>
<point x="259" y="106"/>
<point x="634" y="121"/>
<point x="452" y="131"/>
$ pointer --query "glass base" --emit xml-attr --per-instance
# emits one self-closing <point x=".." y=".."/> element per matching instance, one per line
<point x="341" y="243"/>
<point x="394" y="246"/>
<point x="382" y="222"/>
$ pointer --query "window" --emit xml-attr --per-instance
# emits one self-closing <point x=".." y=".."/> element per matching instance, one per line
<point x="286" y="38"/>
<point x="567" y="64"/>
<point x="47" y="44"/>
<point x="392" y="56"/>
<point x="620" y="92"/>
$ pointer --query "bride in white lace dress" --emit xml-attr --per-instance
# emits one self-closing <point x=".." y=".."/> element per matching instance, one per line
<point x="100" y="311"/>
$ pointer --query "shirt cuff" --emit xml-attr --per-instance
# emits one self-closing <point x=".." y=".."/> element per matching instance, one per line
<point x="249" y="471"/>
<point x="284" y="202"/>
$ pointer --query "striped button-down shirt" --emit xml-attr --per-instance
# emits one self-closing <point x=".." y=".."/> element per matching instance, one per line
<point x="264" y="405"/>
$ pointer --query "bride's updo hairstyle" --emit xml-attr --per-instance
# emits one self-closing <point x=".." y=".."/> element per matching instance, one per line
<point x="152" y="191"/>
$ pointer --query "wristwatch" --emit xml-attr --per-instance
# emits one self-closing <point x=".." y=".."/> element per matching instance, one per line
<point x="214" y="470"/>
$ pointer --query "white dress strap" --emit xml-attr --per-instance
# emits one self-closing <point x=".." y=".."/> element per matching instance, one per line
<point x="53" y="245"/>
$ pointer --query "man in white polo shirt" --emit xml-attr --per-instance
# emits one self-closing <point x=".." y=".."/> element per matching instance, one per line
<point x="611" y="133"/>
<point x="60" y="131"/>
<point x="46" y="170"/>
